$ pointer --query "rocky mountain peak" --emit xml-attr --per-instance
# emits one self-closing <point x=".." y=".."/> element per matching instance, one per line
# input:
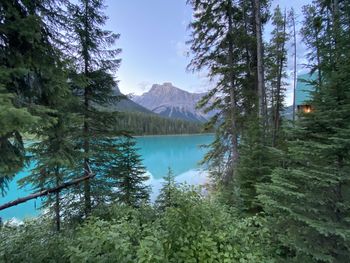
<point x="167" y="100"/>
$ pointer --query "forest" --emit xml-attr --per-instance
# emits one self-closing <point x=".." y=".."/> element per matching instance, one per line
<point x="139" y="123"/>
<point x="279" y="189"/>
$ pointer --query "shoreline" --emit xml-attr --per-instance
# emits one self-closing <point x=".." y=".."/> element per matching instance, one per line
<point x="28" y="142"/>
<point x="164" y="135"/>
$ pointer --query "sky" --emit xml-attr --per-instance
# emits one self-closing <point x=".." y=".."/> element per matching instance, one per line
<point x="153" y="42"/>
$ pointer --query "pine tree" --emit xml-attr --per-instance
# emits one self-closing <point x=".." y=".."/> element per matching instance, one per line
<point x="167" y="195"/>
<point x="38" y="72"/>
<point x="276" y="62"/>
<point x="262" y="106"/>
<point x="308" y="197"/>
<point x="255" y="165"/>
<point x="13" y="121"/>
<point x="127" y="175"/>
<point x="227" y="42"/>
<point x="260" y="144"/>
<point x="27" y="36"/>
<point x="219" y="34"/>
<point x="96" y="63"/>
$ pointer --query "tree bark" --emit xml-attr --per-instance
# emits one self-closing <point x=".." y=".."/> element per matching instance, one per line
<point x="57" y="201"/>
<point x="86" y="130"/>
<point x="260" y="64"/>
<point x="295" y="64"/>
<point x="279" y="84"/>
<point x="46" y="192"/>
<point x="233" y="95"/>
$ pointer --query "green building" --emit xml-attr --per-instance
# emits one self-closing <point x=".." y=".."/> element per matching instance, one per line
<point x="303" y="92"/>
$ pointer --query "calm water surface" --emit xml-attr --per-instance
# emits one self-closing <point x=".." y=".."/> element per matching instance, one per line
<point x="181" y="153"/>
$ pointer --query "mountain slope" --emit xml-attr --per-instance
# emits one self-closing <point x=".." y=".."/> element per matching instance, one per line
<point x="127" y="105"/>
<point x="170" y="101"/>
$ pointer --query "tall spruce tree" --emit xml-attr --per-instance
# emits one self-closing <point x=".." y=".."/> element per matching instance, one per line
<point x="13" y="121"/>
<point x="127" y="174"/>
<point x="276" y="63"/>
<point x="27" y="34"/>
<point x="262" y="139"/>
<point x="308" y="198"/>
<point x="218" y="36"/>
<point x="221" y="30"/>
<point x="41" y="85"/>
<point x="96" y="62"/>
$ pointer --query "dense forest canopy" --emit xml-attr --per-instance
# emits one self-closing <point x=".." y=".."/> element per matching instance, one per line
<point x="279" y="189"/>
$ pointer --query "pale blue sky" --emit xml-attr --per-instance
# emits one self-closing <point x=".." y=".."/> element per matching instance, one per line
<point x="153" y="35"/>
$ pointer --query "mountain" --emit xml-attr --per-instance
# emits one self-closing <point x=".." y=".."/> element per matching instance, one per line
<point x="170" y="101"/>
<point x="127" y="105"/>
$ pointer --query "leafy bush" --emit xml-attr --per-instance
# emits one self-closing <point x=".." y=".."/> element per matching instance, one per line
<point x="196" y="229"/>
<point x="32" y="242"/>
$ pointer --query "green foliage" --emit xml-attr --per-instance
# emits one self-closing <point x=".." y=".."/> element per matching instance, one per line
<point x="223" y="42"/>
<point x="196" y="230"/>
<point x="101" y="241"/>
<point x="33" y="241"/>
<point x="255" y="164"/>
<point x="139" y="123"/>
<point x="168" y="192"/>
<point x="128" y="174"/>
<point x="27" y="58"/>
<point x="276" y="63"/>
<point x="308" y="197"/>
<point x="92" y="81"/>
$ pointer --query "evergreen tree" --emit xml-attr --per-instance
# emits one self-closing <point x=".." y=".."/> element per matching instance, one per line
<point x="26" y="34"/>
<point x="38" y="73"/>
<point x="255" y="165"/>
<point x="260" y="145"/>
<point x="276" y="62"/>
<point x="227" y="41"/>
<point x="308" y="198"/>
<point x="218" y="37"/>
<point x="261" y="90"/>
<point x="127" y="174"/>
<point x="167" y="195"/>
<point x="96" y="63"/>
<point x="13" y="121"/>
<point x="139" y="123"/>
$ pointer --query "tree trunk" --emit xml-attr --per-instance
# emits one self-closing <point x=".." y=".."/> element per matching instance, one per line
<point x="260" y="65"/>
<point x="233" y="95"/>
<point x="295" y="64"/>
<point x="86" y="131"/>
<point x="279" y="84"/>
<point x="46" y="192"/>
<point x="318" y="59"/>
<point x="249" y="57"/>
<point x="57" y="201"/>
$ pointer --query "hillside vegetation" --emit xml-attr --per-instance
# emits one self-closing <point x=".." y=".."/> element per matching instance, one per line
<point x="278" y="190"/>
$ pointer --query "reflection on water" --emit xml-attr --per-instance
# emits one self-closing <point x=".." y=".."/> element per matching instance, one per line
<point x="191" y="177"/>
<point x="181" y="153"/>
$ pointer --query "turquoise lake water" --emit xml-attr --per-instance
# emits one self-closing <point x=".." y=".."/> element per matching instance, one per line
<point x="182" y="153"/>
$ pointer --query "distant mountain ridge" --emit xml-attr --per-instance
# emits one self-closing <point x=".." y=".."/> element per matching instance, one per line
<point x="127" y="105"/>
<point x="172" y="102"/>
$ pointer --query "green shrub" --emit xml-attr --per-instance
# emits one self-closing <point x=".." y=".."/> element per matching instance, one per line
<point x="196" y="229"/>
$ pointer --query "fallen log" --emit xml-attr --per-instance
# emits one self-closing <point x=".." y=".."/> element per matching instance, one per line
<point x="46" y="192"/>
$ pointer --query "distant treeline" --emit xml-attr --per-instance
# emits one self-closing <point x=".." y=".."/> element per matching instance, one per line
<point x="148" y="124"/>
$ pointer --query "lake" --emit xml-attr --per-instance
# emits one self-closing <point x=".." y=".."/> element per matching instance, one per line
<point x="180" y="152"/>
